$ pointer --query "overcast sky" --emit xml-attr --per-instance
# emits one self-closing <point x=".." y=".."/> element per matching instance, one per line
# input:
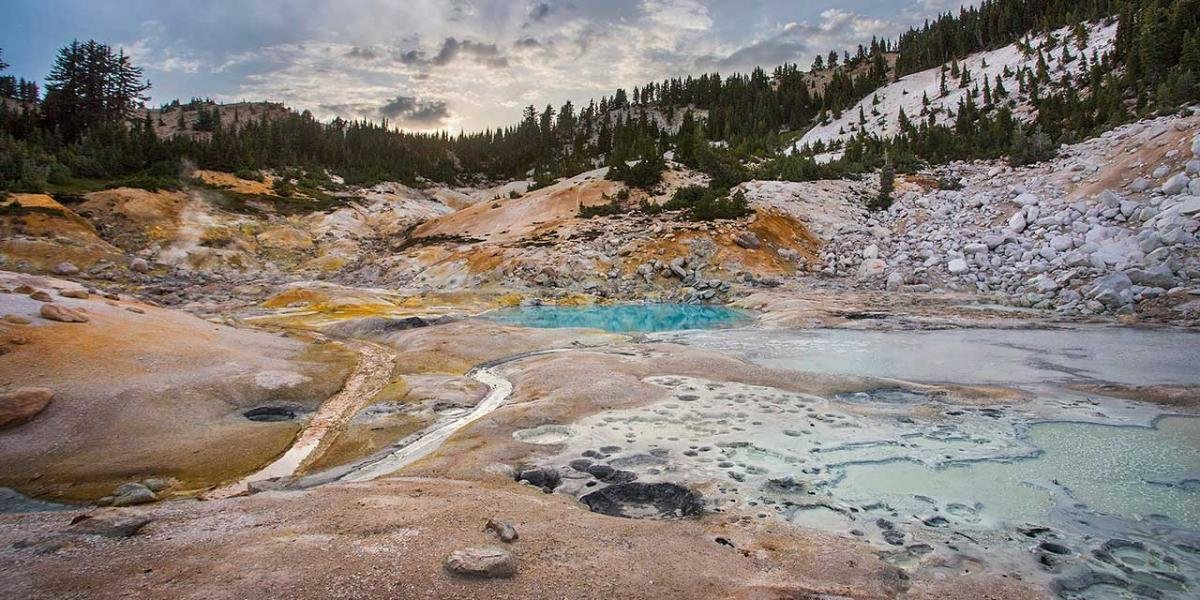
<point x="454" y="64"/>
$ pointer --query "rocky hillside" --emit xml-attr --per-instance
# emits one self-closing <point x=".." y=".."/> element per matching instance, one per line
<point x="186" y="120"/>
<point x="1109" y="226"/>
<point x="921" y="96"/>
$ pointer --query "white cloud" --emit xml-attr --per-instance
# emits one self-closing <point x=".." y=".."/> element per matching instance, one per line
<point x="154" y="52"/>
<point x="477" y="62"/>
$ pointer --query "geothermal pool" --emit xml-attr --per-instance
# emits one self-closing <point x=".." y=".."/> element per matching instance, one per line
<point x="623" y="318"/>
<point x="991" y="356"/>
<point x="1097" y="497"/>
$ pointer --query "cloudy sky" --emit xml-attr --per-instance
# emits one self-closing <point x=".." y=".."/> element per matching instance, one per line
<point x="453" y="64"/>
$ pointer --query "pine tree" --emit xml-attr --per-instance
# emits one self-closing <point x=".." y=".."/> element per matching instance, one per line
<point x="887" y="183"/>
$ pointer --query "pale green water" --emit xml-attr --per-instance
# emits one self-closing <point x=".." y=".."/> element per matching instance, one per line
<point x="1107" y="468"/>
<point x="623" y="318"/>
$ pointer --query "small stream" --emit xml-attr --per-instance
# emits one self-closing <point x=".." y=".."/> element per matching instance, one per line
<point x="429" y="440"/>
<point x="422" y="444"/>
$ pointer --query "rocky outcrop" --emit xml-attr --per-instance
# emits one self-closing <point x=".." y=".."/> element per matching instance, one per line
<point x="58" y="312"/>
<point x="23" y="404"/>
<point x="1090" y="232"/>
<point x="481" y="562"/>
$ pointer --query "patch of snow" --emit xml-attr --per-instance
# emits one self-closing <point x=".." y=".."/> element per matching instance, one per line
<point x="910" y="89"/>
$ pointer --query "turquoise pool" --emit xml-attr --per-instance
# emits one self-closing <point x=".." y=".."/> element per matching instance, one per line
<point x="624" y="318"/>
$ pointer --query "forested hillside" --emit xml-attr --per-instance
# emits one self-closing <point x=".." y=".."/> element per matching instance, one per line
<point x="90" y="124"/>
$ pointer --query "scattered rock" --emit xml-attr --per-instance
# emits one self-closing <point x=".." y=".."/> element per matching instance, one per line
<point x="482" y="562"/>
<point x="77" y="294"/>
<point x="872" y="267"/>
<point x="65" y="268"/>
<point x="156" y="484"/>
<point x="56" y="312"/>
<point x="23" y="404"/>
<point x="747" y="240"/>
<point x="17" y="319"/>
<point x="1158" y="276"/>
<point x="109" y="527"/>
<point x="139" y="265"/>
<point x="130" y="494"/>
<point x="894" y="281"/>
<point x="1016" y="223"/>
<point x="545" y="478"/>
<point x="1175" y="185"/>
<point x="41" y="296"/>
<point x="267" y="485"/>
<point x="1112" y="289"/>
<point x="503" y="530"/>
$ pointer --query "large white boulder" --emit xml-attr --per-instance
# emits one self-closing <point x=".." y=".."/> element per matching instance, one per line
<point x="1026" y="199"/>
<point x="1176" y="184"/>
<point x="872" y="267"/>
<point x="1016" y="223"/>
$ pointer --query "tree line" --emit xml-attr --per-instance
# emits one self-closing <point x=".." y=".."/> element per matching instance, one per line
<point x="91" y="122"/>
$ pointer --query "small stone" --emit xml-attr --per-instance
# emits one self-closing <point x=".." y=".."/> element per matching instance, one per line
<point x="17" y="319"/>
<point x="1061" y="243"/>
<point x="139" y="265"/>
<point x="41" y="296"/>
<point x="65" y="268"/>
<point x="1189" y="206"/>
<point x="77" y="294"/>
<point x="130" y="494"/>
<point x="1175" y="185"/>
<point x="21" y="405"/>
<point x="958" y="266"/>
<point x="993" y="241"/>
<point x="747" y="240"/>
<point x="56" y="312"/>
<point x="1139" y="185"/>
<point x="545" y="478"/>
<point x="894" y="281"/>
<point x="267" y="485"/>
<point x="1158" y="276"/>
<point x="872" y="267"/>
<point x="481" y="562"/>
<point x="503" y="530"/>
<point x="107" y="527"/>
<point x="156" y="484"/>
<point x="1017" y="223"/>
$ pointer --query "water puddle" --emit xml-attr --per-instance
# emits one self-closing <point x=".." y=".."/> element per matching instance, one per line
<point x="969" y="356"/>
<point x="624" y="318"/>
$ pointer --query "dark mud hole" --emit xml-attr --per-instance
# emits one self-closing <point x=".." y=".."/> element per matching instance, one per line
<point x="642" y="500"/>
<point x="272" y="414"/>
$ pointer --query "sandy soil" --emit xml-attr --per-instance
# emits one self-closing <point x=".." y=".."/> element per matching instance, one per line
<point x="387" y="539"/>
